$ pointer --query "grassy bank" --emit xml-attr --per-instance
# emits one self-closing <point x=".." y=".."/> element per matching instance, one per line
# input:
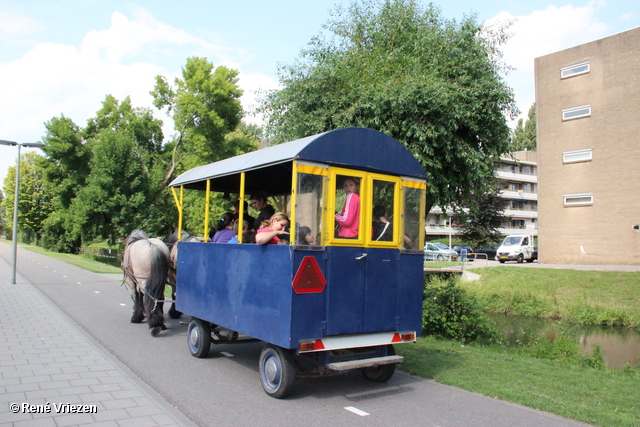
<point x="603" y="397"/>
<point x="87" y="262"/>
<point x="583" y="297"/>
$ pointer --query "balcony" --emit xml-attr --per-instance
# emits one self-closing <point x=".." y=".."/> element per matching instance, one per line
<point x="518" y="213"/>
<point x="518" y="231"/>
<point x="516" y="195"/>
<point x="431" y="229"/>
<point x="519" y="177"/>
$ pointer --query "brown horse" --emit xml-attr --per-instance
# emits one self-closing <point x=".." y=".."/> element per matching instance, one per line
<point x="145" y="264"/>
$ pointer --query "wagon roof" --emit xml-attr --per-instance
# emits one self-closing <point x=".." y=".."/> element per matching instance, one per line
<point x="355" y="148"/>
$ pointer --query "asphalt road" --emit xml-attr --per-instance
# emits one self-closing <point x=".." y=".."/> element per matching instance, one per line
<point x="224" y="389"/>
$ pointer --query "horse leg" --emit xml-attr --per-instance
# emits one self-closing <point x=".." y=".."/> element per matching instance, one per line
<point x="156" y="319"/>
<point x="138" y="309"/>
<point x="173" y="313"/>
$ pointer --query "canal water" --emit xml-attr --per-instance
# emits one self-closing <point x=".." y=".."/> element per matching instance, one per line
<point x="619" y="345"/>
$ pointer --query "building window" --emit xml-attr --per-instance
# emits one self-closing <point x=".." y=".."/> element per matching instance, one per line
<point x="576" y="112"/>
<point x="577" y="156"/>
<point x="574" y="70"/>
<point x="583" y="199"/>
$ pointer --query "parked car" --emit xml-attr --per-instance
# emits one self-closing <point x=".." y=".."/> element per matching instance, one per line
<point x="466" y="256"/>
<point x="438" y="252"/>
<point x="490" y="250"/>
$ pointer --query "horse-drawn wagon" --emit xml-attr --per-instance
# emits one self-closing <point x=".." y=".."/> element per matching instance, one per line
<point x="329" y="305"/>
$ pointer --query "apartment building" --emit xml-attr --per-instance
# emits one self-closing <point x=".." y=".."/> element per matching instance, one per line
<point x="588" y="135"/>
<point x="518" y="173"/>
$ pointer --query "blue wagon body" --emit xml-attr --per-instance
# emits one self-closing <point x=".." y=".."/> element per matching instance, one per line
<point x="334" y="303"/>
<point x="249" y="289"/>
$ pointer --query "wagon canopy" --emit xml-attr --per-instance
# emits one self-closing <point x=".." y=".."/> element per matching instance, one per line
<point x="270" y="169"/>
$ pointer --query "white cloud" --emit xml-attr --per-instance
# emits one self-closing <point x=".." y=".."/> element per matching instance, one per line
<point x="14" y="24"/>
<point x="52" y="79"/>
<point x="627" y="16"/>
<point x="543" y="32"/>
<point x="254" y="84"/>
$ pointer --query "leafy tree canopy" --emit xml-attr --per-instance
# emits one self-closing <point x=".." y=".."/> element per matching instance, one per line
<point x="34" y="204"/>
<point x="401" y="68"/>
<point x="205" y="106"/>
<point x="524" y="135"/>
<point x="111" y="176"/>
<point x="483" y="216"/>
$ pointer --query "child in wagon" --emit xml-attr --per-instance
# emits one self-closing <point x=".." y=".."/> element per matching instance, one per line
<point x="270" y="231"/>
<point x="348" y="219"/>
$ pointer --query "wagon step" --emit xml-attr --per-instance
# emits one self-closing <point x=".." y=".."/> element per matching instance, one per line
<point x="365" y="363"/>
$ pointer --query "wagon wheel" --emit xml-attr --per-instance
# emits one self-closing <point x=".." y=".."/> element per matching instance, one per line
<point x="277" y="371"/>
<point x="199" y="337"/>
<point x="381" y="373"/>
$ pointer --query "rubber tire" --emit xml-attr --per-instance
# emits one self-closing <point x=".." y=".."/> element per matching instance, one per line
<point x="520" y="259"/>
<point x="501" y="261"/>
<point x="277" y="371"/>
<point x="440" y="258"/>
<point x="381" y="373"/>
<point x="199" y="338"/>
<point x="531" y="260"/>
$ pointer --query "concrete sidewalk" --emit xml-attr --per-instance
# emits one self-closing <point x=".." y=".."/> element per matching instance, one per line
<point x="52" y="373"/>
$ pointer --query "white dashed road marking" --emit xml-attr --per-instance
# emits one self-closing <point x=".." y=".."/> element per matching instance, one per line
<point x="356" y="411"/>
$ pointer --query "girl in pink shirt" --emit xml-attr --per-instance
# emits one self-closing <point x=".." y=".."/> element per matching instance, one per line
<point x="270" y="230"/>
<point x="349" y="218"/>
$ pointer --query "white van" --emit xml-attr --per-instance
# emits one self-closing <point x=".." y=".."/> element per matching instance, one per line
<point x="517" y="248"/>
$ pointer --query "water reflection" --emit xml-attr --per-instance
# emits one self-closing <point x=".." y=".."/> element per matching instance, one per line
<point x="619" y="345"/>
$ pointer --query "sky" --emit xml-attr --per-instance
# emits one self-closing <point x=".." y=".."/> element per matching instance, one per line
<point x="62" y="57"/>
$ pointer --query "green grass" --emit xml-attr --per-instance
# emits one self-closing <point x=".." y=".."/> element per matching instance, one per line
<point x="87" y="262"/>
<point x="583" y="297"/>
<point x="604" y="397"/>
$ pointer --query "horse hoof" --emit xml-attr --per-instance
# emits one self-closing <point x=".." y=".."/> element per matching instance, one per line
<point x="135" y="319"/>
<point x="155" y="331"/>
<point x="175" y="314"/>
<point x="164" y="327"/>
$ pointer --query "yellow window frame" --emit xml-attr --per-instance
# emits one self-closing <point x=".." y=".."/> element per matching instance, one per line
<point x="396" y="213"/>
<point x="420" y="185"/>
<point x="330" y="219"/>
<point x="311" y="169"/>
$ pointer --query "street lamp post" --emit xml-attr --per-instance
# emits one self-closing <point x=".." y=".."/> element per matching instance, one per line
<point x="450" y="215"/>
<point x="14" y="238"/>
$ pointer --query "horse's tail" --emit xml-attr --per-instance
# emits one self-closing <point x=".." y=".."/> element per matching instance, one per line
<point x="157" y="274"/>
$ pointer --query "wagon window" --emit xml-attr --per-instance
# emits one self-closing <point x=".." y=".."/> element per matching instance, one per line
<point x="414" y="200"/>
<point x="383" y="211"/>
<point x="347" y="207"/>
<point x="309" y="205"/>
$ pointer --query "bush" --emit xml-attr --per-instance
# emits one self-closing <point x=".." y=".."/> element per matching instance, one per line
<point x="55" y="236"/>
<point x="561" y="348"/>
<point x="449" y="311"/>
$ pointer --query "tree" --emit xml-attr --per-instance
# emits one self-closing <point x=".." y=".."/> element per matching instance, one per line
<point x="117" y="192"/>
<point x="205" y="107"/>
<point x="67" y="164"/>
<point x="524" y="135"/>
<point x="434" y="85"/>
<point x="34" y="205"/>
<point x="483" y="216"/>
<point x="2" y="210"/>
<point x="106" y="177"/>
